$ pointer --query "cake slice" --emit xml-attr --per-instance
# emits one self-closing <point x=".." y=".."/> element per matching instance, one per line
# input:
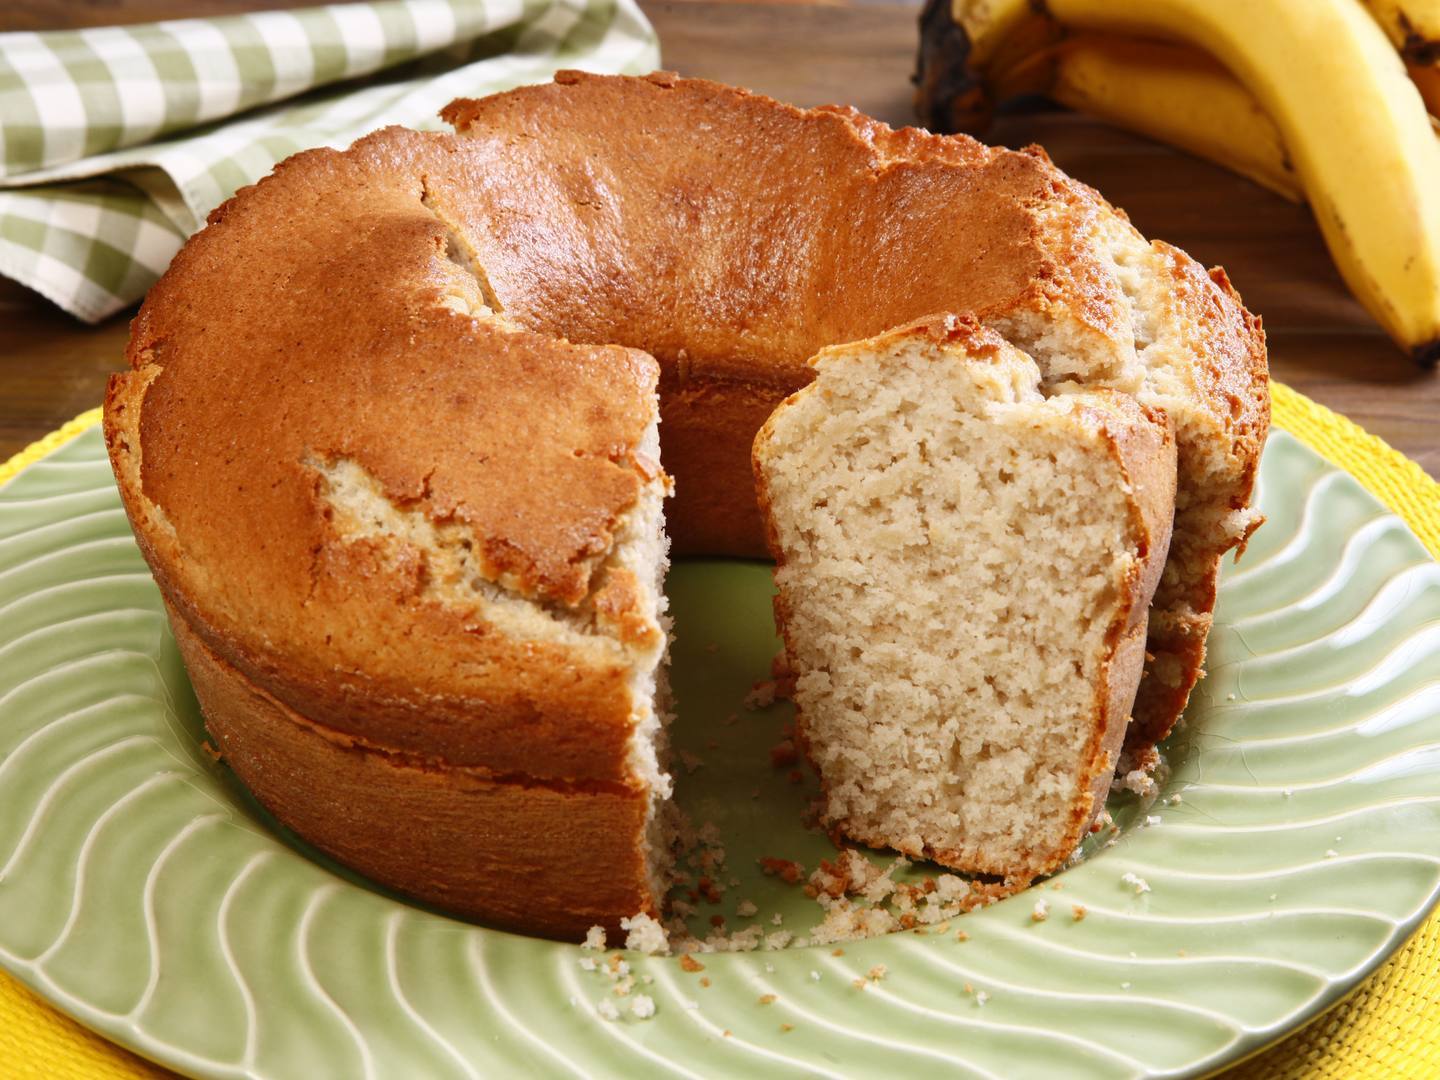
<point x="964" y="567"/>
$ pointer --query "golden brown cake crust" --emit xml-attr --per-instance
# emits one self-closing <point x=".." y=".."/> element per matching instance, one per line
<point x="283" y="336"/>
<point x="736" y="255"/>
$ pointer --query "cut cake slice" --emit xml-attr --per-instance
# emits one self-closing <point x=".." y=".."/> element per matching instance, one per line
<point x="964" y="569"/>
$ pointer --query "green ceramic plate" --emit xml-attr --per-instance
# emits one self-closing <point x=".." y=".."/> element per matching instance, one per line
<point x="142" y="892"/>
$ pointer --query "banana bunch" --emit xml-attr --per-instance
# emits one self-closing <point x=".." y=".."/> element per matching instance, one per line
<point x="1330" y="102"/>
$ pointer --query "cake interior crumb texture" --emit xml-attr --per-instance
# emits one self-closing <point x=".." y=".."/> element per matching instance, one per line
<point x="455" y="576"/>
<point x="955" y="551"/>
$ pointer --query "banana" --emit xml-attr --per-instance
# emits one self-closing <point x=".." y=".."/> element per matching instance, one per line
<point x="1006" y="48"/>
<point x="1413" y="26"/>
<point x="1175" y="95"/>
<point x="1353" y="122"/>
<point x="1410" y="24"/>
<point x="961" y="40"/>
<point x="989" y="24"/>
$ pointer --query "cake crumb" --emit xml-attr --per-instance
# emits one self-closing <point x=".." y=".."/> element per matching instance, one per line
<point x="1137" y="780"/>
<point x="981" y="997"/>
<point x="594" y="938"/>
<point x="961" y="935"/>
<point x="689" y="963"/>
<point x="1152" y="819"/>
<point x="783" y="754"/>
<point x="1139" y="884"/>
<point x="787" y="870"/>
<point x="876" y="973"/>
<point x="587" y="963"/>
<point x="776" y="919"/>
<point x="607" y="1010"/>
<point x="814" y="976"/>
<point x="1040" y="912"/>
<point x="1078" y="912"/>
<point x="761" y="696"/>
<point x="767" y="999"/>
<point x="786" y="1028"/>
<point x="642" y="1006"/>
<point x="746" y="908"/>
<point x="645" y="935"/>
<point x="1331" y="853"/>
<point x="705" y="981"/>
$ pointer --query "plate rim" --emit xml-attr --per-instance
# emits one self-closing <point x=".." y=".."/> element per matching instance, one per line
<point x="1254" y="1041"/>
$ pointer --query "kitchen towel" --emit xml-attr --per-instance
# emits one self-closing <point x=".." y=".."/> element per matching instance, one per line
<point x="116" y="142"/>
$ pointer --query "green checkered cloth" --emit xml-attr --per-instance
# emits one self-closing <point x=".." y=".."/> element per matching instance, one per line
<point x="115" y="143"/>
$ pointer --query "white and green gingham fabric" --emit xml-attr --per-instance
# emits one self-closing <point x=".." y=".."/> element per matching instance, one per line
<point x="115" y="143"/>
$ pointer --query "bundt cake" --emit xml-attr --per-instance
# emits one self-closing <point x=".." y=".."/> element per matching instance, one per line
<point x="964" y="567"/>
<point x="387" y="441"/>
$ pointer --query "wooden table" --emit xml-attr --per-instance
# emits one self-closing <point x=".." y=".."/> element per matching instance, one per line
<point x="1321" y="341"/>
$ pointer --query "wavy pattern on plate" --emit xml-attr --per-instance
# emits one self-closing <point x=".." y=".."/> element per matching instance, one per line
<point x="1298" y="841"/>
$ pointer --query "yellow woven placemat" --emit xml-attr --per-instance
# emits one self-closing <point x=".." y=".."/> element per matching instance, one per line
<point x="1387" y="1028"/>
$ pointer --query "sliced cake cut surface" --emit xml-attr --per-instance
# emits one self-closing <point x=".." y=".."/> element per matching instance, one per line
<point x="964" y="569"/>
